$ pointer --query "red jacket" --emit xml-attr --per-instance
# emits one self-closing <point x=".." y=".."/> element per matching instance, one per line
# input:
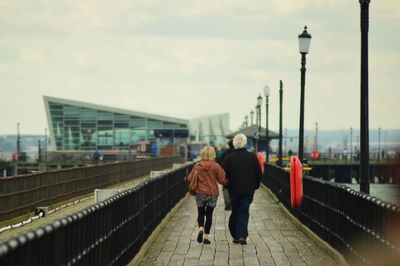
<point x="209" y="174"/>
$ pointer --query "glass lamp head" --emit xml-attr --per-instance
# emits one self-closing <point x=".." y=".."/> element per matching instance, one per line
<point x="266" y="91"/>
<point x="304" y="41"/>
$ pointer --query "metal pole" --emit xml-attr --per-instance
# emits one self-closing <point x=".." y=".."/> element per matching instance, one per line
<point x="316" y="136"/>
<point x="351" y="144"/>
<point x="301" y="127"/>
<point x="45" y="146"/>
<point x="379" y="144"/>
<point x="266" y="130"/>
<point x="39" y="151"/>
<point x="258" y="124"/>
<point x="259" y="119"/>
<point x="364" y="144"/>
<point x="280" y="123"/>
<point x="286" y="142"/>
<point x="18" y="142"/>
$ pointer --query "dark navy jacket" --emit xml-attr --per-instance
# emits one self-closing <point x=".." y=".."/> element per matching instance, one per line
<point x="243" y="171"/>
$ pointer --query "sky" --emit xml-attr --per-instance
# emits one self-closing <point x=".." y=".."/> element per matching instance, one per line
<point x="190" y="58"/>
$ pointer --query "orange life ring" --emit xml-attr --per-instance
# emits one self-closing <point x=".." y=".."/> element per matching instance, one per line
<point x="296" y="181"/>
<point x="260" y="158"/>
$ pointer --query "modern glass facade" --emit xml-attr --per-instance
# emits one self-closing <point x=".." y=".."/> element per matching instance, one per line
<point x="80" y="126"/>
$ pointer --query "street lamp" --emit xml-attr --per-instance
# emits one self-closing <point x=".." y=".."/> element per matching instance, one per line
<point x="266" y="93"/>
<point x="364" y="127"/>
<point x="257" y="116"/>
<point x="259" y="102"/>
<point x="251" y="117"/>
<point x="280" y="123"/>
<point x="304" y="46"/>
<point x="257" y="124"/>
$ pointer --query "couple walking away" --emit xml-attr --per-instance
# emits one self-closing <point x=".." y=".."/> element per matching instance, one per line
<point x="241" y="173"/>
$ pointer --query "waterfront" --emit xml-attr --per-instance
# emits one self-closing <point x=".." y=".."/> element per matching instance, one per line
<point x="386" y="192"/>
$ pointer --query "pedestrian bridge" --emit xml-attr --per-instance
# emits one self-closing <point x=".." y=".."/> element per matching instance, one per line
<point x="154" y="223"/>
<point x="275" y="238"/>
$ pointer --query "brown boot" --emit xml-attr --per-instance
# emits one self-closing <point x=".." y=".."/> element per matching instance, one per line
<point x="242" y="241"/>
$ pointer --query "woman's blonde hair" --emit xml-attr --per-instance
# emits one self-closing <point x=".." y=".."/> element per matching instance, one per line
<point x="207" y="153"/>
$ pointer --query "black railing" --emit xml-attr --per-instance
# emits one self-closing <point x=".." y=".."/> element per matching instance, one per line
<point x="108" y="233"/>
<point x="20" y="195"/>
<point x="363" y="228"/>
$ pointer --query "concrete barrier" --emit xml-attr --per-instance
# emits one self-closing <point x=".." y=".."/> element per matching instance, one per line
<point x="103" y="194"/>
<point x="157" y="173"/>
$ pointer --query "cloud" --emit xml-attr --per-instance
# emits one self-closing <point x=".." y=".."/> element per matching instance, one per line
<point x="174" y="56"/>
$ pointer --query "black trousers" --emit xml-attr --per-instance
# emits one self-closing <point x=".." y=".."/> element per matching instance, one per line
<point x="205" y="212"/>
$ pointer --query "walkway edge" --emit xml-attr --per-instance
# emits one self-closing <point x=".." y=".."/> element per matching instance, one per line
<point x="139" y="256"/>
<point x="322" y="243"/>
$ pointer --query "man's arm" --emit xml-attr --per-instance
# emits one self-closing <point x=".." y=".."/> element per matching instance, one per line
<point x="258" y="172"/>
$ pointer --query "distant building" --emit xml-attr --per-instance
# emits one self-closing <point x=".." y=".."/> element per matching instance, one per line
<point x="81" y="126"/>
<point x="210" y="129"/>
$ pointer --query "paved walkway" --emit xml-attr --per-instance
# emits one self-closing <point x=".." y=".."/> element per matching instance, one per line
<point x="273" y="239"/>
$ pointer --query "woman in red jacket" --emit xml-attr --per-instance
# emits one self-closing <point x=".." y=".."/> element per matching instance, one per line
<point x="209" y="174"/>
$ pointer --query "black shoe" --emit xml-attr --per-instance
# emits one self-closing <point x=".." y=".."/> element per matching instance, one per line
<point x="228" y="208"/>
<point x="200" y="236"/>
<point x="206" y="241"/>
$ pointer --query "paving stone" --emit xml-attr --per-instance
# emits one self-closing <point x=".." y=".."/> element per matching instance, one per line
<point x="163" y="258"/>
<point x="236" y="262"/>
<point x="251" y="261"/>
<point x="177" y="259"/>
<point x="266" y="260"/>
<point x="206" y="263"/>
<point x="191" y="261"/>
<point x="273" y="239"/>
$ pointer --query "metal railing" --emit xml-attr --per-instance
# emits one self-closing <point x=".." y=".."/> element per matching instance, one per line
<point x="108" y="233"/>
<point x="354" y="223"/>
<point x="20" y="195"/>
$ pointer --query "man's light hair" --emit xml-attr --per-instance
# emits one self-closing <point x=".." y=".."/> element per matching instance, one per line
<point x="239" y="141"/>
<point x="207" y="153"/>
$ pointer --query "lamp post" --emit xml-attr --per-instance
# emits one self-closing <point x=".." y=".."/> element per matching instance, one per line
<point x="256" y="114"/>
<point x="364" y="143"/>
<point x="18" y="143"/>
<point x="379" y="144"/>
<point x="304" y="46"/>
<point x="257" y="124"/>
<point x="351" y="144"/>
<point x="259" y="102"/>
<point x="266" y="93"/>
<point x="280" y="123"/>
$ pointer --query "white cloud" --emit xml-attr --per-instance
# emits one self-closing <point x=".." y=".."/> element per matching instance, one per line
<point x="172" y="57"/>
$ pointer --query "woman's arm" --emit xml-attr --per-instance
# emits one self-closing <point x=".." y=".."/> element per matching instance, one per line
<point x="190" y="176"/>
<point x="221" y="177"/>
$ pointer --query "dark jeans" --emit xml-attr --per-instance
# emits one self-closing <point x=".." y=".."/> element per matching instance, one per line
<point x="239" y="218"/>
<point x="206" y="211"/>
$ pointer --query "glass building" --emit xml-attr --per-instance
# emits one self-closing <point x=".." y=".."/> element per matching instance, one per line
<point x="84" y="126"/>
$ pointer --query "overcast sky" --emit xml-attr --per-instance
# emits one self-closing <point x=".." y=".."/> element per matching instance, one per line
<point x="180" y="57"/>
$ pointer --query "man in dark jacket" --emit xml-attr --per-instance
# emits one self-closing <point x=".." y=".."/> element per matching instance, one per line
<point x="244" y="173"/>
<point x="225" y="190"/>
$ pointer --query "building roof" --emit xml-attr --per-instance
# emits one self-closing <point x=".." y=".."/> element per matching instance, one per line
<point x="249" y="133"/>
<point x="48" y="99"/>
